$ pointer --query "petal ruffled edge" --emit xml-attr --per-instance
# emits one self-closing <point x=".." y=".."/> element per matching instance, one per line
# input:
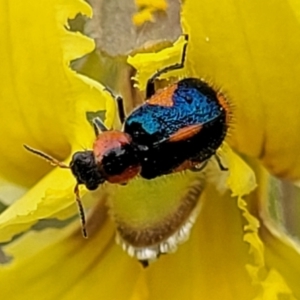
<point x="53" y="196"/>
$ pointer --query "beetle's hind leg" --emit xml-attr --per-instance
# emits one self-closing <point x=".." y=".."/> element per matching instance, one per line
<point x="222" y="168"/>
<point x="201" y="165"/>
<point x="150" y="88"/>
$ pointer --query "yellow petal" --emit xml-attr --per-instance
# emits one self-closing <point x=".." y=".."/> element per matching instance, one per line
<point x="148" y="64"/>
<point x="282" y="253"/>
<point x="211" y="265"/>
<point x="44" y="105"/>
<point x="248" y="268"/>
<point x="250" y="50"/>
<point x="72" y="266"/>
<point x="34" y="79"/>
<point x="215" y="255"/>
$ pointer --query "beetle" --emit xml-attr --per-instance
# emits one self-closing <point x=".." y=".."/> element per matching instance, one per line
<point x="177" y="128"/>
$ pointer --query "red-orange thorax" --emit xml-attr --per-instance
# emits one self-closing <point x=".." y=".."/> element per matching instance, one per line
<point x="116" y="157"/>
<point x="108" y="140"/>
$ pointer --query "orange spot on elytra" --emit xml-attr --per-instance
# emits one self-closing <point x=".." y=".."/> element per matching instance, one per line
<point x="163" y="97"/>
<point x="185" y="133"/>
<point x="224" y="103"/>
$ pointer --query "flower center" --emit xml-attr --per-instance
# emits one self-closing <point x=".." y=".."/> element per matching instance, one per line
<point x="161" y="213"/>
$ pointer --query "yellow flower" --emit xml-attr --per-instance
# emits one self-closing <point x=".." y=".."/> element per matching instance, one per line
<point x="234" y="251"/>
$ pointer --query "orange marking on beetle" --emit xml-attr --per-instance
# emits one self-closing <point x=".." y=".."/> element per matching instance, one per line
<point x="163" y="97"/>
<point x="109" y="140"/>
<point x="185" y="133"/>
<point x="224" y="103"/>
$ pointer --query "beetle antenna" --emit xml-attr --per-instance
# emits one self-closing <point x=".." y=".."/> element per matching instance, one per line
<point x="81" y="211"/>
<point x="60" y="164"/>
<point x="47" y="157"/>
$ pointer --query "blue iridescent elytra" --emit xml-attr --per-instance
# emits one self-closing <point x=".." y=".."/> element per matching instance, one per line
<point x="191" y="102"/>
<point x="190" y="106"/>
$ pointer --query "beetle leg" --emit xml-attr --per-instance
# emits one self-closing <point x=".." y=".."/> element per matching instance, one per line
<point x="81" y="211"/>
<point x="121" y="110"/>
<point x="222" y="168"/>
<point x="150" y="88"/>
<point x="99" y="126"/>
<point x="120" y="105"/>
<point x="199" y="167"/>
